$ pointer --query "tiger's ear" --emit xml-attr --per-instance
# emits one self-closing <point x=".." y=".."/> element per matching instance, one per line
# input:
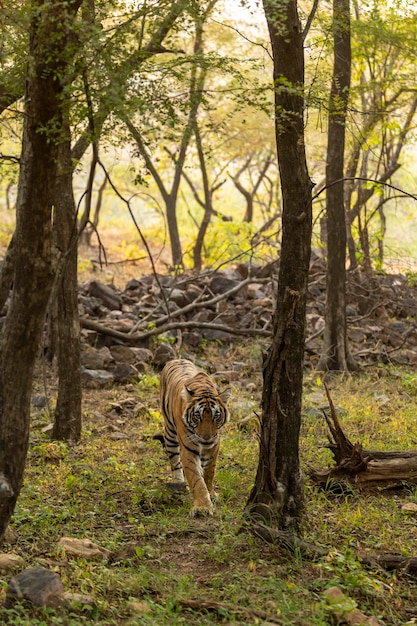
<point x="187" y="394"/>
<point x="225" y="395"/>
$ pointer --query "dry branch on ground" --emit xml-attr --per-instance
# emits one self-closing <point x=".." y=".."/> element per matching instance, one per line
<point x="366" y="470"/>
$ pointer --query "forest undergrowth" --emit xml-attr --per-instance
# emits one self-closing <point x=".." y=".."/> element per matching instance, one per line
<point x="166" y="568"/>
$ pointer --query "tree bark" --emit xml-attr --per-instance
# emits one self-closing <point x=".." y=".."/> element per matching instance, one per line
<point x="277" y="495"/>
<point x="336" y="355"/>
<point x="34" y="261"/>
<point x="208" y="204"/>
<point x="250" y="195"/>
<point x="7" y="272"/>
<point x="64" y="302"/>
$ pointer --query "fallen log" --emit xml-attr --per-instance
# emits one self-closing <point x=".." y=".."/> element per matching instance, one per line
<point x="364" y="469"/>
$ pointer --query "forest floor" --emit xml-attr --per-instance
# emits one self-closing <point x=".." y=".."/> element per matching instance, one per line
<point x="163" y="567"/>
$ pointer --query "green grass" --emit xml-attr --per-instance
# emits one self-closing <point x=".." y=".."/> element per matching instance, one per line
<point x="112" y="491"/>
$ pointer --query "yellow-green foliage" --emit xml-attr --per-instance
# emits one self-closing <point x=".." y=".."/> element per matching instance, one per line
<point x="232" y="241"/>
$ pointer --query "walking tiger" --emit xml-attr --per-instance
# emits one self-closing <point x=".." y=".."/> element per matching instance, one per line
<point x="194" y="411"/>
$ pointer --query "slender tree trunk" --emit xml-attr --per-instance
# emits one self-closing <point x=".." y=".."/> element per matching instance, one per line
<point x="174" y="235"/>
<point x="34" y="261"/>
<point x="250" y="195"/>
<point x="66" y="326"/>
<point x="336" y="354"/>
<point x="208" y="204"/>
<point x="277" y="496"/>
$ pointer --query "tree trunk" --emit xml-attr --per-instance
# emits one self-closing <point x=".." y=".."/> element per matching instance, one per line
<point x="277" y="496"/>
<point x="174" y="235"/>
<point x="34" y="265"/>
<point x="336" y="354"/>
<point x="7" y="272"/>
<point x="208" y="203"/>
<point x="66" y="326"/>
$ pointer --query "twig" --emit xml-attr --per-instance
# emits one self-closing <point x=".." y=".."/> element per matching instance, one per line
<point x="315" y="334"/>
<point x="220" y="607"/>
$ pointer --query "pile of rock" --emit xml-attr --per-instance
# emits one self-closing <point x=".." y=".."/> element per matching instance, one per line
<point x="120" y="326"/>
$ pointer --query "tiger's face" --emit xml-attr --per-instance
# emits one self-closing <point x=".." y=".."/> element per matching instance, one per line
<point x="204" y="415"/>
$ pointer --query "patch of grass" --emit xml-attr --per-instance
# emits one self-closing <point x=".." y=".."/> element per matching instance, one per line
<point x="112" y="490"/>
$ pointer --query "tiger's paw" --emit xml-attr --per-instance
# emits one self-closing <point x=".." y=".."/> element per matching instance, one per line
<point x="176" y="487"/>
<point x="202" y="511"/>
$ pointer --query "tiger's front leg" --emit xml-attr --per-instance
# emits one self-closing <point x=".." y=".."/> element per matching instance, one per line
<point x="172" y="447"/>
<point x="209" y="469"/>
<point x="194" y="473"/>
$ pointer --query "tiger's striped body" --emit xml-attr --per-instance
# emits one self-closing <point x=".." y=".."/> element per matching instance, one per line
<point x="193" y="411"/>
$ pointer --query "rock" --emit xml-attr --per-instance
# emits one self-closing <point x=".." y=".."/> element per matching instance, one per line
<point x="93" y="359"/>
<point x="11" y="535"/>
<point x="95" y="379"/>
<point x="192" y="339"/>
<point x="143" y="355"/>
<point x="40" y="402"/>
<point x="10" y="562"/>
<point x="39" y="585"/>
<point x="193" y="292"/>
<point x="162" y="355"/>
<point x="139" y="607"/>
<point x="105" y="294"/>
<point x="315" y="291"/>
<point x="216" y="335"/>
<point x="123" y="324"/>
<point x="251" y="307"/>
<point x="83" y="548"/>
<point x="123" y="354"/>
<point x="221" y="283"/>
<point x="125" y="373"/>
<point x="399" y="327"/>
<point x="178" y="296"/>
<point x="133" y="284"/>
<point x="345" y="610"/>
<point x="410" y="507"/>
<point x="356" y="335"/>
<point x="256" y="292"/>
<point x="125" y="553"/>
<point x="76" y="599"/>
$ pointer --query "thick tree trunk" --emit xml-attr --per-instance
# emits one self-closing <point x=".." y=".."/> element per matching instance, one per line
<point x="34" y="261"/>
<point x="7" y="272"/>
<point x="336" y="355"/>
<point x="277" y="496"/>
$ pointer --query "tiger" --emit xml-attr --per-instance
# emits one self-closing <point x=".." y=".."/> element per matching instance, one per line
<point x="194" y="411"/>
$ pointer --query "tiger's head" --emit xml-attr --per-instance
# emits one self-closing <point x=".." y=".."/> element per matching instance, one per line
<point x="205" y="412"/>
